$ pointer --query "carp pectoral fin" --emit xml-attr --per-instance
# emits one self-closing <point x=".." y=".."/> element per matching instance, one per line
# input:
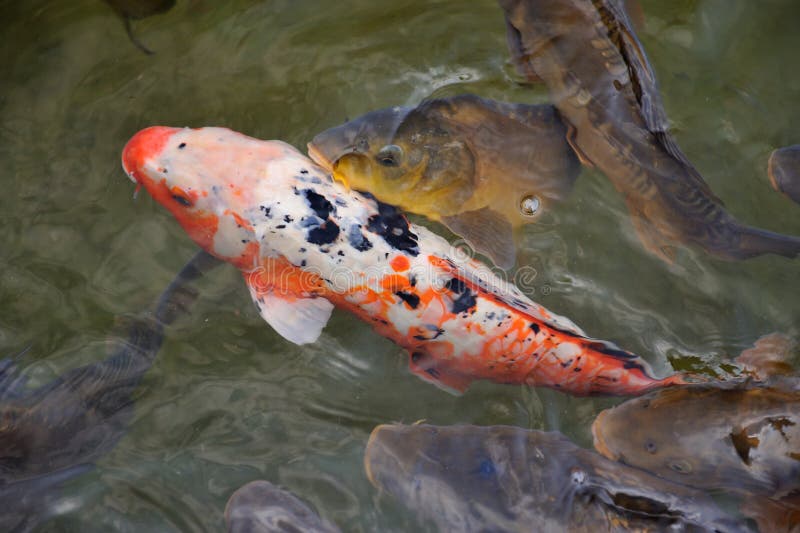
<point x="487" y="232"/>
<point x="770" y="356"/>
<point x="425" y="367"/>
<point x="583" y="158"/>
<point x="652" y="240"/>
<point x="297" y="319"/>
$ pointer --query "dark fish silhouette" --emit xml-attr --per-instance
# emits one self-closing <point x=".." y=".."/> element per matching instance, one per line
<point x="53" y="433"/>
<point x="599" y="79"/>
<point x="480" y="167"/>
<point x="501" y="478"/>
<point x="138" y="9"/>
<point x="744" y="437"/>
<point x="784" y="171"/>
<point x="261" y="507"/>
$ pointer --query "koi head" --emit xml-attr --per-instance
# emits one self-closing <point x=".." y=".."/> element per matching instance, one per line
<point x="208" y="178"/>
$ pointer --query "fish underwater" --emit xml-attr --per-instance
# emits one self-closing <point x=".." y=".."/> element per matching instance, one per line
<point x="784" y="171"/>
<point x="138" y="9"/>
<point x="743" y="438"/>
<point x="261" y="507"/>
<point x="503" y="478"/>
<point x="305" y="244"/>
<point x="53" y="433"/>
<point x="480" y="167"/>
<point x="598" y="76"/>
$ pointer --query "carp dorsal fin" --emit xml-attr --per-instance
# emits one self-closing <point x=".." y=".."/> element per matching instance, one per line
<point x="769" y="356"/>
<point x="518" y="57"/>
<point x="487" y="232"/>
<point x="297" y="319"/>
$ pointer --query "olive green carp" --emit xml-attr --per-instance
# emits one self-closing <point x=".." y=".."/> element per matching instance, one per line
<point x="480" y="167"/>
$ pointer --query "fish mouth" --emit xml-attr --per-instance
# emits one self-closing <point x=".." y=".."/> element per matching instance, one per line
<point x="599" y="442"/>
<point x="142" y="146"/>
<point x="318" y="157"/>
<point x="367" y="453"/>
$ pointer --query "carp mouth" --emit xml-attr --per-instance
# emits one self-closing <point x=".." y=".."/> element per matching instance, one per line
<point x="318" y="157"/>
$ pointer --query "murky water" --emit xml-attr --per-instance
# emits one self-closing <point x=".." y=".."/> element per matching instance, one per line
<point x="228" y="401"/>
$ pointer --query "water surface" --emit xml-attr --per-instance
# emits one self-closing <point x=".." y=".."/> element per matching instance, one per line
<point x="228" y="400"/>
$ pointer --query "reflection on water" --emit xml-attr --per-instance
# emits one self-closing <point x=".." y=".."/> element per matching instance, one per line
<point x="227" y="400"/>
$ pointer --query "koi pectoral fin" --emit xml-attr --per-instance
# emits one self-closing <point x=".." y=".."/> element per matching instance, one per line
<point x="488" y="232"/>
<point x="426" y="367"/>
<point x="297" y="319"/>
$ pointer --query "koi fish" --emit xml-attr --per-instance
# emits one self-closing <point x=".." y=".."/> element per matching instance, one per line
<point x="480" y="167"/>
<point x="54" y="432"/>
<point x="784" y="171"/>
<point x="502" y="478"/>
<point x="261" y="507"/>
<point x="305" y="244"/>
<point x="601" y="82"/>
<point x="743" y="438"/>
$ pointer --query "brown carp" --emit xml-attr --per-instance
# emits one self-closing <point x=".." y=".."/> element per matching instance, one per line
<point x="502" y="478"/>
<point x="600" y="80"/>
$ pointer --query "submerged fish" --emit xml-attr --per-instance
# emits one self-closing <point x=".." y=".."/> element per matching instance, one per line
<point x="306" y="244"/>
<point x="261" y="507"/>
<point x="599" y="79"/>
<point x="138" y="9"/>
<point x="501" y="478"/>
<point x="742" y="438"/>
<point x="478" y="166"/>
<point x="53" y="433"/>
<point x="784" y="171"/>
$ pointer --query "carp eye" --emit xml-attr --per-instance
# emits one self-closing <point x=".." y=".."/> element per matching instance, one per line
<point x="180" y="196"/>
<point x="529" y="205"/>
<point x="390" y="155"/>
<point x="650" y="446"/>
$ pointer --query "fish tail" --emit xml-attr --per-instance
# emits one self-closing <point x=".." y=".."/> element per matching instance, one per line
<point x="753" y="242"/>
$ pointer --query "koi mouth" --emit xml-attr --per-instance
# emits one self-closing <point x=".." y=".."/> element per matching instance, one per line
<point x="141" y="147"/>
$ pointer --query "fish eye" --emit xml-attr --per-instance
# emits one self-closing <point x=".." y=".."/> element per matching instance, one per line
<point x="390" y="155"/>
<point x="529" y="205"/>
<point x="180" y="196"/>
<point x="650" y="446"/>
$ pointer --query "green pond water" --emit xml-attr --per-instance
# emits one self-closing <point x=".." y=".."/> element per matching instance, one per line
<point x="227" y="400"/>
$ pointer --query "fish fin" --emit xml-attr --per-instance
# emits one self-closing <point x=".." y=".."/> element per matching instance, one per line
<point x="752" y="242"/>
<point x="12" y="383"/>
<point x="297" y="319"/>
<point x="583" y="158"/>
<point x="769" y="356"/>
<point x="136" y="42"/>
<point x="426" y="367"/>
<point x="488" y="232"/>
<point x="652" y="240"/>
<point x="518" y="57"/>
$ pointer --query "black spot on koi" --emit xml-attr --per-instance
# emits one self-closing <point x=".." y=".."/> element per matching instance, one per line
<point x="465" y="300"/>
<point x="410" y="298"/>
<point x="393" y="227"/>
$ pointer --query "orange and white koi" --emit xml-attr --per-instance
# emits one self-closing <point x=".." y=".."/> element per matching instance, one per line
<point x="306" y="244"/>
